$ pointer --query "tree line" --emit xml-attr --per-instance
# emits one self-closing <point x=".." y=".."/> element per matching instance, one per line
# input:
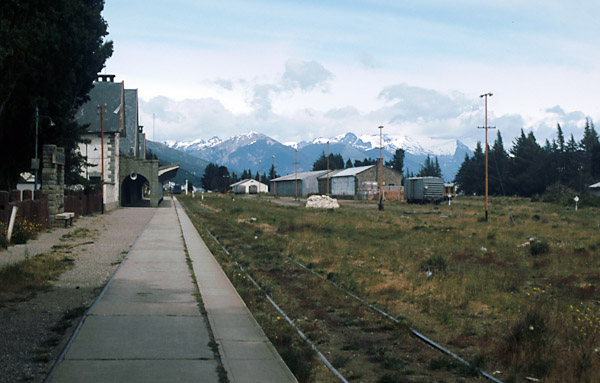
<point x="50" y="54"/>
<point x="218" y="178"/>
<point x="528" y="168"/>
<point x="336" y="161"/>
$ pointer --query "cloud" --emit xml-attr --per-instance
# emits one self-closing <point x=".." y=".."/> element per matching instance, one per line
<point x="305" y="75"/>
<point x="226" y="84"/>
<point x="420" y="104"/>
<point x="368" y="60"/>
<point x="185" y="120"/>
<point x="342" y="113"/>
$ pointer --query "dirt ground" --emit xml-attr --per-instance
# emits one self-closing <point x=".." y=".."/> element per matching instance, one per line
<point x="34" y="331"/>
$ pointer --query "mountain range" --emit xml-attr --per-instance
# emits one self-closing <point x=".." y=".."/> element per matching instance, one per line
<point x="258" y="152"/>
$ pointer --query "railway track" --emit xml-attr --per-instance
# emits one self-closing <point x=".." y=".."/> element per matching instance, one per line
<point x="387" y="346"/>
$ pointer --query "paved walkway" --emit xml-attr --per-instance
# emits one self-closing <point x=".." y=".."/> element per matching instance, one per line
<point x="146" y="326"/>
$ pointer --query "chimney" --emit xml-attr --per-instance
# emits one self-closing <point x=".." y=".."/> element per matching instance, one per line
<point x="106" y="78"/>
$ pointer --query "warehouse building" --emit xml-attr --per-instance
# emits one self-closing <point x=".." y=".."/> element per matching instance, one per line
<point x="307" y="183"/>
<point x="362" y="183"/>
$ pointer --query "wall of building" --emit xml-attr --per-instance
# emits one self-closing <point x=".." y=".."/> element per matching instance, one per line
<point x="343" y="186"/>
<point x="93" y="154"/>
<point x="147" y="169"/>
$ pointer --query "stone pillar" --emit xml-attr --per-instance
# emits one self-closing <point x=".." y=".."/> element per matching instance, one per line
<point x="53" y="179"/>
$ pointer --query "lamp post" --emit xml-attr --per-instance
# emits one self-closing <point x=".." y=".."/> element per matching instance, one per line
<point x="327" y="169"/>
<point x="380" y="167"/>
<point x="35" y="164"/>
<point x="486" y="127"/>
<point x="273" y="175"/>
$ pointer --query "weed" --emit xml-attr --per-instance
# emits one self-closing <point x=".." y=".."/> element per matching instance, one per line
<point x="435" y="263"/>
<point x="539" y="248"/>
<point x="339" y="361"/>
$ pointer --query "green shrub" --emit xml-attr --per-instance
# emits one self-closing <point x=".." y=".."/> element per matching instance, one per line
<point x="435" y="263"/>
<point x="539" y="248"/>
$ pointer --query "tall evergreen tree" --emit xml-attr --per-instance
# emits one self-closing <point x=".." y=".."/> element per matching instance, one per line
<point x="397" y="161"/>
<point x="335" y="162"/>
<point x="50" y="54"/>
<point x="430" y="168"/>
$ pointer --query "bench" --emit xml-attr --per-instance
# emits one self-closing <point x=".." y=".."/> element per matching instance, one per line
<point x="64" y="219"/>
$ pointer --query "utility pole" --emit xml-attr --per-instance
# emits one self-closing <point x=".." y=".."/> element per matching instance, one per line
<point x="486" y="127"/>
<point x="296" y="174"/>
<point x="153" y="138"/>
<point x="36" y="163"/>
<point x="327" y="188"/>
<point x="273" y="175"/>
<point x="101" y="108"/>
<point x="380" y="167"/>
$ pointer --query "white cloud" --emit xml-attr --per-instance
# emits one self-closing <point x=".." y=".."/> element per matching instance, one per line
<point x="305" y="75"/>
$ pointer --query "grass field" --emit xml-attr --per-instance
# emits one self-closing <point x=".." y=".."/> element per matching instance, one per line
<point x="517" y="295"/>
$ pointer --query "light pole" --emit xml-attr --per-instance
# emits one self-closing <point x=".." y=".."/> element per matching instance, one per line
<point x="273" y="175"/>
<point x="486" y="127"/>
<point x="380" y="167"/>
<point x="327" y="188"/>
<point x="35" y="164"/>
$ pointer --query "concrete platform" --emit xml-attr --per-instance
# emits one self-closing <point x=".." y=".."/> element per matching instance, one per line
<point x="246" y="353"/>
<point x="147" y="326"/>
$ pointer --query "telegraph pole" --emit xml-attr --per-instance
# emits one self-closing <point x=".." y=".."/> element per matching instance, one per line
<point x="296" y="174"/>
<point x="486" y="127"/>
<point x="101" y="109"/>
<point x="274" y="183"/>
<point x="327" y="169"/>
<point x="380" y="167"/>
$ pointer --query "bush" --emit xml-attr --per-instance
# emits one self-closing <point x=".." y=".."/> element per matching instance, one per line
<point x="435" y="263"/>
<point x="539" y="248"/>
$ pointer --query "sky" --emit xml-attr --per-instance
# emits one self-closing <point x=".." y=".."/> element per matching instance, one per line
<point x="299" y="70"/>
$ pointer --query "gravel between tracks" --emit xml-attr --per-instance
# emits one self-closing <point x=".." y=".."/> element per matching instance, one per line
<point x="97" y="244"/>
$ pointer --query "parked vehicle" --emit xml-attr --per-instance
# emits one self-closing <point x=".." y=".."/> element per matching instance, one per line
<point x="176" y="189"/>
<point x="424" y="189"/>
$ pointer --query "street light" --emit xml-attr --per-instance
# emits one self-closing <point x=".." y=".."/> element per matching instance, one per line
<point x="486" y="127"/>
<point x="35" y="164"/>
<point x="380" y="167"/>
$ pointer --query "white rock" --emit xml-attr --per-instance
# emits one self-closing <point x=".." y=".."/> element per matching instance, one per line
<point x="322" y="202"/>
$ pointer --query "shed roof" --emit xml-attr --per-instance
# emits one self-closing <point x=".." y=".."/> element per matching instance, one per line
<point x="331" y="173"/>
<point x="103" y="93"/>
<point x="351" y="172"/>
<point x="247" y="180"/>
<point x="300" y="176"/>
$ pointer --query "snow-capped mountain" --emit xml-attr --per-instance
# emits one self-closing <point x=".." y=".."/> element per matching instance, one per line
<point x="197" y="144"/>
<point x="368" y="142"/>
<point x="257" y="152"/>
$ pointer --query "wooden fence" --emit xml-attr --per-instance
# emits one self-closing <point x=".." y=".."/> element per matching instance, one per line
<point x="36" y="211"/>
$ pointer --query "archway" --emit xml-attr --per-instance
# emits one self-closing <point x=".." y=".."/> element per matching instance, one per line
<point x="135" y="191"/>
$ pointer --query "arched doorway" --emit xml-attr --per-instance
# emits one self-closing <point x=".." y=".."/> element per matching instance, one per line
<point x="135" y="191"/>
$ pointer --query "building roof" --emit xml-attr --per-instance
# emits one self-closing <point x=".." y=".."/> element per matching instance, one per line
<point x="251" y="180"/>
<point x="331" y="173"/>
<point x="300" y="176"/>
<point x="595" y="186"/>
<point x="167" y="172"/>
<point x="103" y="93"/>
<point x="351" y="172"/>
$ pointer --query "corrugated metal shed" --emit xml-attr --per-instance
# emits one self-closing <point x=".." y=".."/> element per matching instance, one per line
<point x="351" y="172"/>
<point x="307" y="183"/>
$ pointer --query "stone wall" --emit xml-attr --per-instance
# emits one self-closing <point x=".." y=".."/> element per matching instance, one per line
<point x="53" y="179"/>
